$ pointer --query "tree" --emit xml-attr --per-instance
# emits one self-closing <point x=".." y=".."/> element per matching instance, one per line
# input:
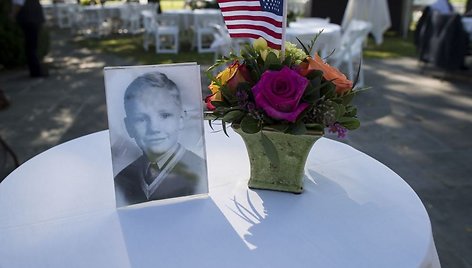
<point x="11" y="39"/>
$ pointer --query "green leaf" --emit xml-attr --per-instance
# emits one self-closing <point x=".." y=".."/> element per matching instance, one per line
<point x="316" y="81"/>
<point x="223" y="124"/>
<point x="228" y="95"/>
<point x="328" y="90"/>
<point x="356" y="79"/>
<point x="349" y="122"/>
<point x="313" y="41"/>
<point x="297" y="128"/>
<point x="223" y="60"/>
<point x="351" y="111"/>
<point x="271" y="59"/>
<point x="272" y="62"/>
<point x="219" y="104"/>
<point x="314" y="127"/>
<point x="314" y="74"/>
<point x="311" y="94"/>
<point x="287" y="61"/>
<point x="340" y="110"/>
<point x="348" y="98"/>
<point x="279" y="127"/>
<point x="305" y="49"/>
<point x="255" y="75"/>
<point x="270" y="149"/>
<point x="275" y="67"/>
<point x="211" y="126"/>
<point x="233" y="115"/>
<point x="250" y="125"/>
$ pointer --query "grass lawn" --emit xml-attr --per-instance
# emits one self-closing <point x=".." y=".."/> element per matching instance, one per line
<point x="132" y="47"/>
<point x="393" y="46"/>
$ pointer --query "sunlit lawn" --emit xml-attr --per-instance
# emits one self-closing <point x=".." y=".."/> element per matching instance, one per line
<point x="172" y="4"/>
<point x="393" y="46"/>
<point x="131" y="47"/>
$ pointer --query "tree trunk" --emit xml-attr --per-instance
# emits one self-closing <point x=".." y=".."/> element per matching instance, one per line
<point x="468" y="6"/>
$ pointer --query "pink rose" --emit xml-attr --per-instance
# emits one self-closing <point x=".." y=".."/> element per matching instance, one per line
<point x="279" y="93"/>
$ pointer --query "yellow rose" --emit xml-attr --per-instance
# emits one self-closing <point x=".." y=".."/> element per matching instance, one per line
<point x="260" y="44"/>
<point x="266" y="52"/>
<point x="229" y="77"/>
<point x="223" y="78"/>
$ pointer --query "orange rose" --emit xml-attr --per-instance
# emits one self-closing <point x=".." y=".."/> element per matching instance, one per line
<point x="223" y="77"/>
<point x="329" y="73"/>
<point x="229" y="77"/>
<point x="208" y="101"/>
<point x="241" y="75"/>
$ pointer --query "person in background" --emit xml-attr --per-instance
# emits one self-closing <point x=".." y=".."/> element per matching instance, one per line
<point x="442" y="6"/>
<point x="29" y="15"/>
<point x="468" y="8"/>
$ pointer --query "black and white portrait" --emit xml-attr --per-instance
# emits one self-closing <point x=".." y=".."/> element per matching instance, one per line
<point x="156" y="132"/>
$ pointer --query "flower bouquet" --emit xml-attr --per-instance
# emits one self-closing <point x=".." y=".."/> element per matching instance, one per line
<point x="280" y="105"/>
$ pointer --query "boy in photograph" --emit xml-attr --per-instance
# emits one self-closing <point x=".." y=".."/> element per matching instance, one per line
<point x="154" y="119"/>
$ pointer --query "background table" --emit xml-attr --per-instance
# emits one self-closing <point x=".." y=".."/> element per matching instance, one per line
<point x="326" y="43"/>
<point x="374" y="11"/>
<point x="58" y="210"/>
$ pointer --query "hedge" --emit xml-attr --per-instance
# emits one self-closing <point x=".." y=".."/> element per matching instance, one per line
<point x="11" y="40"/>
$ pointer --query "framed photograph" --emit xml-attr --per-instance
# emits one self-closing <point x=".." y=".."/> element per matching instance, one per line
<point x="156" y="132"/>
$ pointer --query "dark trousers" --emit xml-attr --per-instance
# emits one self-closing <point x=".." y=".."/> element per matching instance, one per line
<point x="31" y="32"/>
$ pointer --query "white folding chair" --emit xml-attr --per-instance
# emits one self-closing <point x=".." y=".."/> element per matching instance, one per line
<point x="205" y="31"/>
<point x="224" y="44"/>
<point x="149" y="24"/>
<point x="167" y="33"/>
<point x="94" y="23"/>
<point x="63" y="15"/>
<point x="221" y="44"/>
<point x="76" y="18"/>
<point x="130" y="18"/>
<point x="350" y="51"/>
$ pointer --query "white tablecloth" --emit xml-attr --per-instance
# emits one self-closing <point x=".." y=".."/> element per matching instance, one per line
<point x="373" y="11"/>
<point x="185" y="17"/>
<point x="188" y="18"/>
<point x="58" y="210"/>
<point x="108" y="11"/>
<point x="327" y="42"/>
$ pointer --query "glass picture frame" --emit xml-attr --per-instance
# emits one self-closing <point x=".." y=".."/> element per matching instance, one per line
<point x="156" y="132"/>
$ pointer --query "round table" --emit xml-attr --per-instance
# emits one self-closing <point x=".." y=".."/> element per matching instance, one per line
<point x="58" y="210"/>
<point x="327" y="42"/>
<point x="374" y="11"/>
<point x="185" y="17"/>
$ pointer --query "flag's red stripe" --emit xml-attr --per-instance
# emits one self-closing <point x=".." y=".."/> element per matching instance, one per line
<point x="254" y="18"/>
<point x="255" y="36"/>
<point x="241" y="8"/>
<point x="256" y="27"/>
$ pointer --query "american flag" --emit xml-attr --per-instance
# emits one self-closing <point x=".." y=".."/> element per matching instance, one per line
<point x="254" y="19"/>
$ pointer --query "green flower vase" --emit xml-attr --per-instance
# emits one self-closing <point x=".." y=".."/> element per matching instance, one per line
<point x="277" y="159"/>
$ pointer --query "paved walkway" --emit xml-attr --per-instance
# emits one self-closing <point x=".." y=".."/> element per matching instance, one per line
<point x="417" y="125"/>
